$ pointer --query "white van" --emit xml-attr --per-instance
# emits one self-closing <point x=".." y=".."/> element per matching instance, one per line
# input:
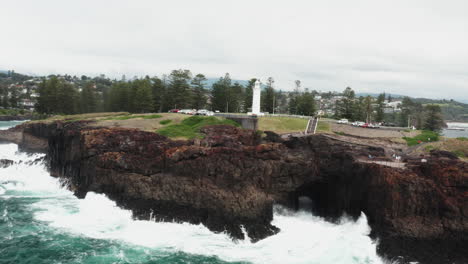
<point x="343" y="121"/>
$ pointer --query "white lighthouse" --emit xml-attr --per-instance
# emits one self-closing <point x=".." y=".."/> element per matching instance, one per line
<point x="256" y="99"/>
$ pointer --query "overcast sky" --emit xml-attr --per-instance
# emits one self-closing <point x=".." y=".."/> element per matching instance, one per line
<point x="411" y="47"/>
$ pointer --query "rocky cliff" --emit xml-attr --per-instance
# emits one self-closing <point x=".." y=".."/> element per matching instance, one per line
<point x="232" y="177"/>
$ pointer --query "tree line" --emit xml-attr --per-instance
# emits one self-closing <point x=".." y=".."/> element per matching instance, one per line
<point x="178" y="90"/>
<point x="372" y="110"/>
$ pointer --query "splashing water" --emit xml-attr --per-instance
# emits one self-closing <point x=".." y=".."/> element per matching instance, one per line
<point x="40" y="222"/>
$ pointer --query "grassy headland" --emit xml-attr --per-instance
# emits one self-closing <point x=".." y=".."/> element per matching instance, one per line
<point x="190" y="128"/>
<point x="282" y="124"/>
<point x="425" y="136"/>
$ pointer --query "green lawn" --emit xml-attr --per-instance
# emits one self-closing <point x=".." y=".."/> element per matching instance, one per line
<point x="126" y="117"/>
<point x="190" y="128"/>
<point x="282" y="124"/>
<point x="323" y="127"/>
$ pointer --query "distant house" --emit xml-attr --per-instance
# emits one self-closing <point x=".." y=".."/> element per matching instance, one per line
<point x="393" y="107"/>
<point x="27" y="103"/>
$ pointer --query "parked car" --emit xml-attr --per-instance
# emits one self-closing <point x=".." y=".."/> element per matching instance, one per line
<point x="343" y="121"/>
<point x="388" y="124"/>
<point x="204" y="112"/>
<point x="173" y="111"/>
<point x="358" y="123"/>
<point x="187" y="111"/>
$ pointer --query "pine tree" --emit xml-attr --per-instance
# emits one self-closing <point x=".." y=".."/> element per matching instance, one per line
<point x="294" y="98"/>
<point x="306" y="104"/>
<point x="220" y="94"/>
<point x="380" y="108"/>
<point x="347" y="103"/>
<point x="179" y="93"/>
<point x="235" y="97"/>
<point x="199" y="92"/>
<point x="159" y="95"/>
<point x="268" y="96"/>
<point x="67" y="98"/>
<point x="143" y="99"/>
<point x="88" y="99"/>
<point x="368" y="108"/>
<point x="434" y="120"/>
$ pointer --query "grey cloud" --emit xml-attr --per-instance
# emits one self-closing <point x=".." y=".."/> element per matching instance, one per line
<point x="411" y="47"/>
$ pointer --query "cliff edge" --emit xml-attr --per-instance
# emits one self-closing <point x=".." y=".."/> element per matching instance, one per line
<point x="231" y="178"/>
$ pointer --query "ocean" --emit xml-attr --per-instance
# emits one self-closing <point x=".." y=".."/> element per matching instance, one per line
<point x="42" y="222"/>
<point x="462" y="132"/>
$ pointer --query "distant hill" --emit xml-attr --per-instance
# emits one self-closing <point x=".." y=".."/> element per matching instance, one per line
<point x="210" y="81"/>
<point x="3" y="71"/>
<point x="377" y="94"/>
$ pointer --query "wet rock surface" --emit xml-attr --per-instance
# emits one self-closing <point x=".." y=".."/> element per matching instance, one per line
<point x="232" y="177"/>
<point x="5" y="163"/>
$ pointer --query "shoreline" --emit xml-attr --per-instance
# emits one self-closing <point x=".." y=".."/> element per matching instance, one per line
<point x="182" y="180"/>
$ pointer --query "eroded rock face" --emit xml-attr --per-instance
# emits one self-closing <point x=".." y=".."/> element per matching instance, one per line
<point x="232" y="177"/>
<point x="225" y="180"/>
<point x="5" y="163"/>
<point x="420" y="213"/>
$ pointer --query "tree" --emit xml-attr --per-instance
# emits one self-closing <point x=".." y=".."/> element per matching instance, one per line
<point x="380" y="108"/>
<point x="88" y="99"/>
<point x="235" y="97"/>
<point x="119" y="97"/>
<point x="143" y="98"/>
<point x="294" y="98"/>
<point x="345" y="106"/>
<point x="411" y="113"/>
<point x="368" y="108"/>
<point x="48" y="100"/>
<point x="199" y="92"/>
<point x="268" y="96"/>
<point x="67" y="99"/>
<point x="3" y="96"/>
<point x="220" y="93"/>
<point x="434" y="120"/>
<point x="179" y="93"/>
<point x="248" y="95"/>
<point x="159" y="94"/>
<point x="14" y="97"/>
<point x="306" y="104"/>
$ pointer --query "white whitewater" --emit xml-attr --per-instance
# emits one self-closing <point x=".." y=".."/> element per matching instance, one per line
<point x="304" y="238"/>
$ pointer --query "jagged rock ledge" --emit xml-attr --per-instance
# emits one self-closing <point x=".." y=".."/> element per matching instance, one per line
<point x="232" y="178"/>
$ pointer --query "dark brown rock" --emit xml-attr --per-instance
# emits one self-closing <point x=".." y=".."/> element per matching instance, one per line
<point x="231" y="177"/>
<point x="5" y="163"/>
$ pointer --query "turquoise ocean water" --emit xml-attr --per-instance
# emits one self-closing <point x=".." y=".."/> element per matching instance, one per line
<point x="41" y="222"/>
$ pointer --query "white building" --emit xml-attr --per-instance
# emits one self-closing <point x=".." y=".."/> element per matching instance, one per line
<point x="256" y="99"/>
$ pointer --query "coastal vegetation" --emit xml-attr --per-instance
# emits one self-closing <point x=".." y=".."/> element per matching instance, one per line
<point x="65" y="94"/>
<point x="128" y="116"/>
<point x="410" y="114"/>
<point x="425" y="136"/>
<point x="190" y="127"/>
<point x="165" y="121"/>
<point x="458" y="146"/>
<point x="282" y="124"/>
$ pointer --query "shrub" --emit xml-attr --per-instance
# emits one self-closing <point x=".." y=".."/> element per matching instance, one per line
<point x="165" y="122"/>
<point x="459" y="153"/>
<point x="425" y="136"/>
<point x="428" y="148"/>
